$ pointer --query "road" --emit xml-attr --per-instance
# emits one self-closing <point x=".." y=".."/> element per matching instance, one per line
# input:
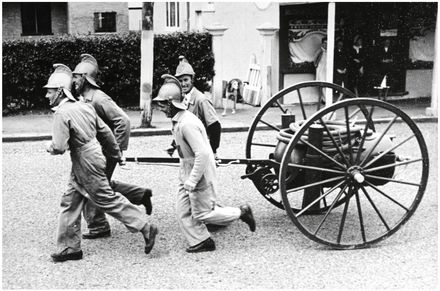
<point x="277" y="255"/>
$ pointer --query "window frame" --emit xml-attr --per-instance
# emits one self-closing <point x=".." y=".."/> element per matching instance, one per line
<point x="39" y="17"/>
<point x="172" y="21"/>
<point x="105" y="29"/>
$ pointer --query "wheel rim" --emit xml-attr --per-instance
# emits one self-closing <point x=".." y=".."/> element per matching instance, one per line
<point x="379" y="186"/>
<point x="258" y="147"/>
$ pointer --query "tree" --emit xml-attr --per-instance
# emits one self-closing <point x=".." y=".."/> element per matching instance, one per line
<point x="147" y="59"/>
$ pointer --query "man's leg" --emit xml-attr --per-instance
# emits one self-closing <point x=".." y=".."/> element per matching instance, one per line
<point x="135" y="194"/>
<point x="90" y="172"/>
<point x="97" y="223"/>
<point x="69" y="226"/>
<point x="204" y="209"/>
<point x="194" y="231"/>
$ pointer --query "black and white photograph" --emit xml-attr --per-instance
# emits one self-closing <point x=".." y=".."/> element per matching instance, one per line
<point x="220" y="145"/>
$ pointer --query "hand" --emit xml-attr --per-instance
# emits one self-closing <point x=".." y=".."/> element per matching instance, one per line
<point x="170" y="150"/>
<point x="189" y="186"/>
<point x="217" y="160"/>
<point x="122" y="161"/>
<point x="49" y="148"/>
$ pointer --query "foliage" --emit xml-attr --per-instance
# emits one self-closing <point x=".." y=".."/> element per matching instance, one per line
<point x="27" y="64"/>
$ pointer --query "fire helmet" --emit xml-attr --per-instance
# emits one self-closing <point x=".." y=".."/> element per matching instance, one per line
<point x="61" y="78"/>
<point x="184" y="68"/>
<point x="171" y="90"/>
<point x="88" y="67"/>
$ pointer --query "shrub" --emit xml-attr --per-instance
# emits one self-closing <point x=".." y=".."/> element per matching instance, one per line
<point x="27" y="64"/>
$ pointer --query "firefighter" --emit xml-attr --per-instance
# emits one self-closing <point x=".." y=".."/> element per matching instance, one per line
<point x="198" y="103"/>
<point x="78" y="128"/>
<point x="85" y="85"/>
<point x="196" y="197"/>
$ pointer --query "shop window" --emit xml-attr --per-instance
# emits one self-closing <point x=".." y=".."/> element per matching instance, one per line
<point x="173" y="15"/>
<point x="36" y="18"/>
<point x="105" y="21"/>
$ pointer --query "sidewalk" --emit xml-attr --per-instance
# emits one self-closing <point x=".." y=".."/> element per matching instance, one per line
<point x="31" y="127"/>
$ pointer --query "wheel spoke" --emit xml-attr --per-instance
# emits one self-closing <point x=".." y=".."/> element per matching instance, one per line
<point x="302" y="104"/>
<point x="281" y="107"/>
<point x="264" y="144"/>
<point x="348" y="134"/>
<point x="354" y="113"/>
<point x="392" y="165"/>
<point x="389" y="150"/>
<point x="273" y="126"/>
<point x="392" y="180"/>
<point x="316" y="184"/>
<point x="315" y="168"/>
<point x="324" y="154"/>
<point x="330" y="209"/>
<point x="319" y="97"/>
<point x="379" y="140"/>
<point x="383" y="193"/>
<point x="361" y="220"/>
<point x="364" y="136"/>
<point x="333" y="140"/>
<point x="375" y="208"/>
<point x="322" y="197"/>
<point x="344" y="215"/>
<point x="324" y="201"/>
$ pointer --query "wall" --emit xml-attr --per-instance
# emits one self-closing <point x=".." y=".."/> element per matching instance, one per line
<point x="80" y="16"/>
<point x="308" y="95"/>
<point x="11" y="20"/>
<point x="418" y="83"/>
<point x="242" y="39"/>
<point x="59" y="18"/>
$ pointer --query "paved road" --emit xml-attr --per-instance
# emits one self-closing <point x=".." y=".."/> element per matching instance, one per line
<point x="277" y="255"/>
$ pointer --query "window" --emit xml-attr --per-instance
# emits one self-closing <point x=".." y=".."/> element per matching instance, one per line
<point x="173" y="14"/>
<point x="105" y="21"/>
<point x="36" y="18"/>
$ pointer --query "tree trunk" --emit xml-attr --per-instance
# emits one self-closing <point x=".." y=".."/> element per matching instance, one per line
<point x="147" y="58"/>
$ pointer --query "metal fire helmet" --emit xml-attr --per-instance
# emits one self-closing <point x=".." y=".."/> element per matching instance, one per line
<point x="88" y="67"/>
<point x="184" y="68"/>
<point x="171" y="90"/>
<point x="61" y="78"/>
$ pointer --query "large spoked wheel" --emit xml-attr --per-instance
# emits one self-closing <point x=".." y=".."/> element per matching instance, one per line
<point x="375" y="163"/>
<point x="301" y="101"/>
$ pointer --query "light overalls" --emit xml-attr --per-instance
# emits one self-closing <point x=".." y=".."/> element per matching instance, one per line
<point x="76" y="126"/>
<point x="197" y="169"/>
<point x="119" y="123"/>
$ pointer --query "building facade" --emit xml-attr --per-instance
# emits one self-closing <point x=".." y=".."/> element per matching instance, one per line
<point x="45" y="19"/>
<point x="297" y="32"/>
<point x="282" y="37"/>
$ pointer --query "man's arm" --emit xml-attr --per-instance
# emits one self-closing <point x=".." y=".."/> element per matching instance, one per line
<point x="107" y="139"/>
<point x="60" y="135"/>
<point x="213" y="127"/>
<point x="194" y="138"/>
<point x="214" y="131"/>
<point x="118" y="119"/>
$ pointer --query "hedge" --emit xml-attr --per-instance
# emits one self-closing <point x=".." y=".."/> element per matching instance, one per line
<point x="27" y="64"/>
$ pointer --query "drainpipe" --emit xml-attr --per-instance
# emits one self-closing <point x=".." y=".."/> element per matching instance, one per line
<point x="433" y="110"/>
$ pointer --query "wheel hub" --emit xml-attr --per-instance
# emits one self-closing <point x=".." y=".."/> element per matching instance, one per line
<point x="356" y="175"/>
